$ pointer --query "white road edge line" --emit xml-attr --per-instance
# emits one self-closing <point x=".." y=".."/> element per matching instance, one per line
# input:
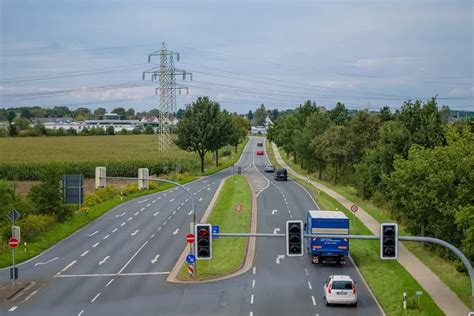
<point x="68" y="266"/>
<point x="130" y="260"/>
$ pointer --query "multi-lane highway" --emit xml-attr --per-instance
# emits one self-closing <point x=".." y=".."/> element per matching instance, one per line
<point x="118" y="264"/>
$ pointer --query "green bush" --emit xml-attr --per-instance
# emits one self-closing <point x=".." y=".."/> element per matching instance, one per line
<point x="92" y="199"/>
<point x="32" y="226"/>
<point x="226" y="152"/>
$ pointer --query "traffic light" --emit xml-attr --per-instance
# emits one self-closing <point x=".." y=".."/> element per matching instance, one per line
<point x="203" y="235"/>
<point x="388" y="241"/>
<point x="294" y="238"/>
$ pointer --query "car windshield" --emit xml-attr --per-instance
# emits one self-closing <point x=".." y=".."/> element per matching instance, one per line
<point x="342" y="285"/>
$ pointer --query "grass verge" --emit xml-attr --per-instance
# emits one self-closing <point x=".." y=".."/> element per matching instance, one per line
<point x="445" y="269"/>
<point x="387" y="279"/>
<point x="228" y="253"/>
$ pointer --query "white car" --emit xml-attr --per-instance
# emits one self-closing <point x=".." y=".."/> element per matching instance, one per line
<point x="340" y="289"/>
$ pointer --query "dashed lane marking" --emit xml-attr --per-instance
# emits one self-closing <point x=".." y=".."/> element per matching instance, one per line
<point x="309" y="285"/>
<point x="96" y="244"/>
<point x="95" y="297"/>
<point x="106" y="236"/>
<point x="172" y="200"/>
<point x="80" y="313"/>
<point x="68" y="266"/>
<point x="156" y="213"/>
<point x="85" y="253"/>
<point x="114" y="230"/>
<point x="90" y="235"/>
<point x="314" y="300"/>
<point x="252" y="298"/>
<point x="130" y="218"/>
<point x="253" y="283"/>
<point x="13" y="308"/>
<point x="122" y="224"/>
<point x="110" y="282"/>
<point x="200" y="199"/>
<point x="136" y="213"/>
<point x="254" y="270"/>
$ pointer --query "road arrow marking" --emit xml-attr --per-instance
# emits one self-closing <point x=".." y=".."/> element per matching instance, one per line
<point x="200" y="199"/>
<point x="155" y="259"/>
<point x="135" y="232"/>
<point x="276" y="230"/>
<point x="101" y="262"/>
<point x="279" y="257"/>
<point x="120" y="215"/>
<point x="156" y="213"/>
<point x="176" y="231"/>
<point x="90" y="235"/>
<point x="274" y="211"/>
<point x="43" y="263"/>
<point x="190" y="212"/>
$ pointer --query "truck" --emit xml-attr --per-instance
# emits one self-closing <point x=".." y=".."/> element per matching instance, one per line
<point x="327" y="249"/>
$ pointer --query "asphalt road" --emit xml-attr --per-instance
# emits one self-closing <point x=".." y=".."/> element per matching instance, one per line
<point x="118" y="264"/>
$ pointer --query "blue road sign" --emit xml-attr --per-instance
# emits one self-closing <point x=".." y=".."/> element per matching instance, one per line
<point x="190" y="258"/>
<point x="13" y="215"/>
<point x="215" y="230"/>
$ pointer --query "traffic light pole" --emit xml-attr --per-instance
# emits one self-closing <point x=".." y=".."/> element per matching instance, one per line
<point x="437" y="241"/>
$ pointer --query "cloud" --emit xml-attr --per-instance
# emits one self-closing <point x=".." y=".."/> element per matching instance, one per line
<point x="462" y="92"/>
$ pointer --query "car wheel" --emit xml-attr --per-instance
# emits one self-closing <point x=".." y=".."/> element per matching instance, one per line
<point x="354" y="305"/>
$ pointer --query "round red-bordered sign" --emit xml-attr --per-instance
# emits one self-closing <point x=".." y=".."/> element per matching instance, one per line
<point x="190" y="238"/>
<point x="354" y="208"/>
<point x="238" y="207"/>
<point x="13" y="242"/>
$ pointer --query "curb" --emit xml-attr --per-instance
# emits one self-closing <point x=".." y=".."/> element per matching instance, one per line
<point x="249" y="255"/>
<point x="19" y="293"/>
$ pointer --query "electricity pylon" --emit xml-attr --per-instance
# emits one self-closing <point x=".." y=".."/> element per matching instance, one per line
<point x="166" y="73"/>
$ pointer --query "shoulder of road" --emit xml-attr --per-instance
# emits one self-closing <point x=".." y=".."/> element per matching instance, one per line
<point x="442" y="295"/>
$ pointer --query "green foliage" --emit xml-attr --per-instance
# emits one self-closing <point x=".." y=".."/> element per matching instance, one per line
<point x="32" y="226"/>
<point x="110" y="130"/>
<point x="149" y="130"/>
<point x="22" y="123"/>
<point x="258" y="117"/>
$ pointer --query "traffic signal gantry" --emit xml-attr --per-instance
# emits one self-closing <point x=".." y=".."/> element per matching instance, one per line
<point x="388" y="241"/>
<point x="294" y="238"/>
<point x="203" y="233"/>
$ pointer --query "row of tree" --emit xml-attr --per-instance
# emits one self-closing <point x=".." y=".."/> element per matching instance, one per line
<point x="412" y="161"/>
<point x="204" y="128"/>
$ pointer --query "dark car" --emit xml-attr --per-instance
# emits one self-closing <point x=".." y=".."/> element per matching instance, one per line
<point x="281" y="175"/>
<point x="259" y="144"/>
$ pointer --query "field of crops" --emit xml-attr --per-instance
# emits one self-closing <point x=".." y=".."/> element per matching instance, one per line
<point x="25" y="158"/>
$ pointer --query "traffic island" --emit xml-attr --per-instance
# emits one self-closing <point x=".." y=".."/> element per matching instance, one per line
<point x="230" y="256"/>
<point x="12" y="292"/>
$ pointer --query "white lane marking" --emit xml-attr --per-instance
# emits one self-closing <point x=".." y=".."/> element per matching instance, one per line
<point x="101" y="262"/>
<point x="253" y="283"/>
<point x="291" y="216"/>
<point x="143" y="201"/>
<point x="251" y="314"/>
<point x="110" y="282"/>
<point x="251" y="299"/>
<point x="95" y="297"/>
<point x="174" y="212"/>
<point x="130" y="218"/>
<point x="156" y="213"/>
<point x="274" y="211"/>
<point x="195" y="193"/>
<point x="190" y="212"/>
<point x="208" y="189"/>
<point x="85" y="253"/>
<point x="159" y="228"/>
<point x="114" y="230"/>
<point x="130" y="260"/>
<point x="68" y="266"/>
<point x="120" y="215"/>
<point x="90" y="235"/>
<point x="276" y="230"/>
<point x="314" y="300"/>
<point x="80" y="313"/>
<point x="122" y="224"/>
<point x="204" y="181"/>
<point x="171" y="200"/>
<point x="176" y="231"/>
<point x="145" y="273"/>
<point x="278" y="258"/>
<point x="152" y="236"/>
<point x="169" y="217"/>
<point x="254" y="270"/>
<point x="200" y="199"/>
<point x="165" y="194"/>
<point x="309" y="285"/>
<point x="13" y="308"/>
<point x="165" y="222"/>
<point x="136" y="213"/>
<point x="155" y="259"/>
<point x="42" y="263"/>
<point x="306" y="271"/>
<point x="154" y="201"/>
<point x="183" y="203"/>
<point x="106" y="236"/>
<point x="29" y="296"/>
<point x="158" y="198"/>
<point x="135" y="232"/>
<point x="96" y="244"/>
<point x="108" y="274"/>
<point x="148" y="205"/>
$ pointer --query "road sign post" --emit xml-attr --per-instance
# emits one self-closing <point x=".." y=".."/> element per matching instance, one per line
<point x="354" y="209"/>
<point x="238" y="209"/>
<point x="13" y="215"/>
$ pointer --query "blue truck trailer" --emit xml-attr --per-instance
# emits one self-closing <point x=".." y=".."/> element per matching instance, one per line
<point x="327" y="249"/>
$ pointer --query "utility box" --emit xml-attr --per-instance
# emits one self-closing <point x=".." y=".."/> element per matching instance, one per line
<point x="100" y="174"/>
<point x="143" y="182"/>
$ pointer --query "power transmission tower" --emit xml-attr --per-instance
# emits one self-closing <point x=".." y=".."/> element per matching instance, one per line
<point x="166" y="73"/>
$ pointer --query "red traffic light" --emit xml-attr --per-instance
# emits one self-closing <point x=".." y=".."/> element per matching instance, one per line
<point x="203" y="232"/>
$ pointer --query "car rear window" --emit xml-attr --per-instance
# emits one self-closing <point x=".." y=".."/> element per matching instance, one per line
<point x="342" y="285"/>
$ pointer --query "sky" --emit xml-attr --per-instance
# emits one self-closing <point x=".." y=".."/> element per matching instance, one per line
<point x="365" y="54"/>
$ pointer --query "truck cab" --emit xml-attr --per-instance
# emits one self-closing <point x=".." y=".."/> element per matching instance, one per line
<point x="327" y="249"/>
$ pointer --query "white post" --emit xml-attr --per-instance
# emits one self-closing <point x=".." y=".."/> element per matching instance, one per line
<point x="100" y="177"/>
<point x="143" y="182"/>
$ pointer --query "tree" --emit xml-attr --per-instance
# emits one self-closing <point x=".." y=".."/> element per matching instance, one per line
<point x="99" y="112"/>
<point x="61" y="111"/>
<point x="81" y="114"/>
<point x="22" y="123"/>
<point x="385" y="114"/>
<point x="3" y="115"/>
<point x="224" y="131"/>
<point x="240" y="129"/>
<point x="149" y="129"/>
<point x="250" y="115"/>
<point x="196" y="131"/>
<point x="259" y="116"/>
<point x="334" y="142"/>
<point x="130" y="114"/>
<point x="339" y="115"/>
<point x="120" y="111"/>
<point x="179" y="113"/>
<point x="110" y="130"/>
<point x="48" y="198"/>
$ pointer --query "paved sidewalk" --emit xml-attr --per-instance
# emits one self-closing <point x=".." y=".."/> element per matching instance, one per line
<point x="446" y="299"/>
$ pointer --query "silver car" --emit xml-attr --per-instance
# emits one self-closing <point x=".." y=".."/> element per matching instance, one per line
<point x="340" y="289"/>
<point x="269" y="168"/>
